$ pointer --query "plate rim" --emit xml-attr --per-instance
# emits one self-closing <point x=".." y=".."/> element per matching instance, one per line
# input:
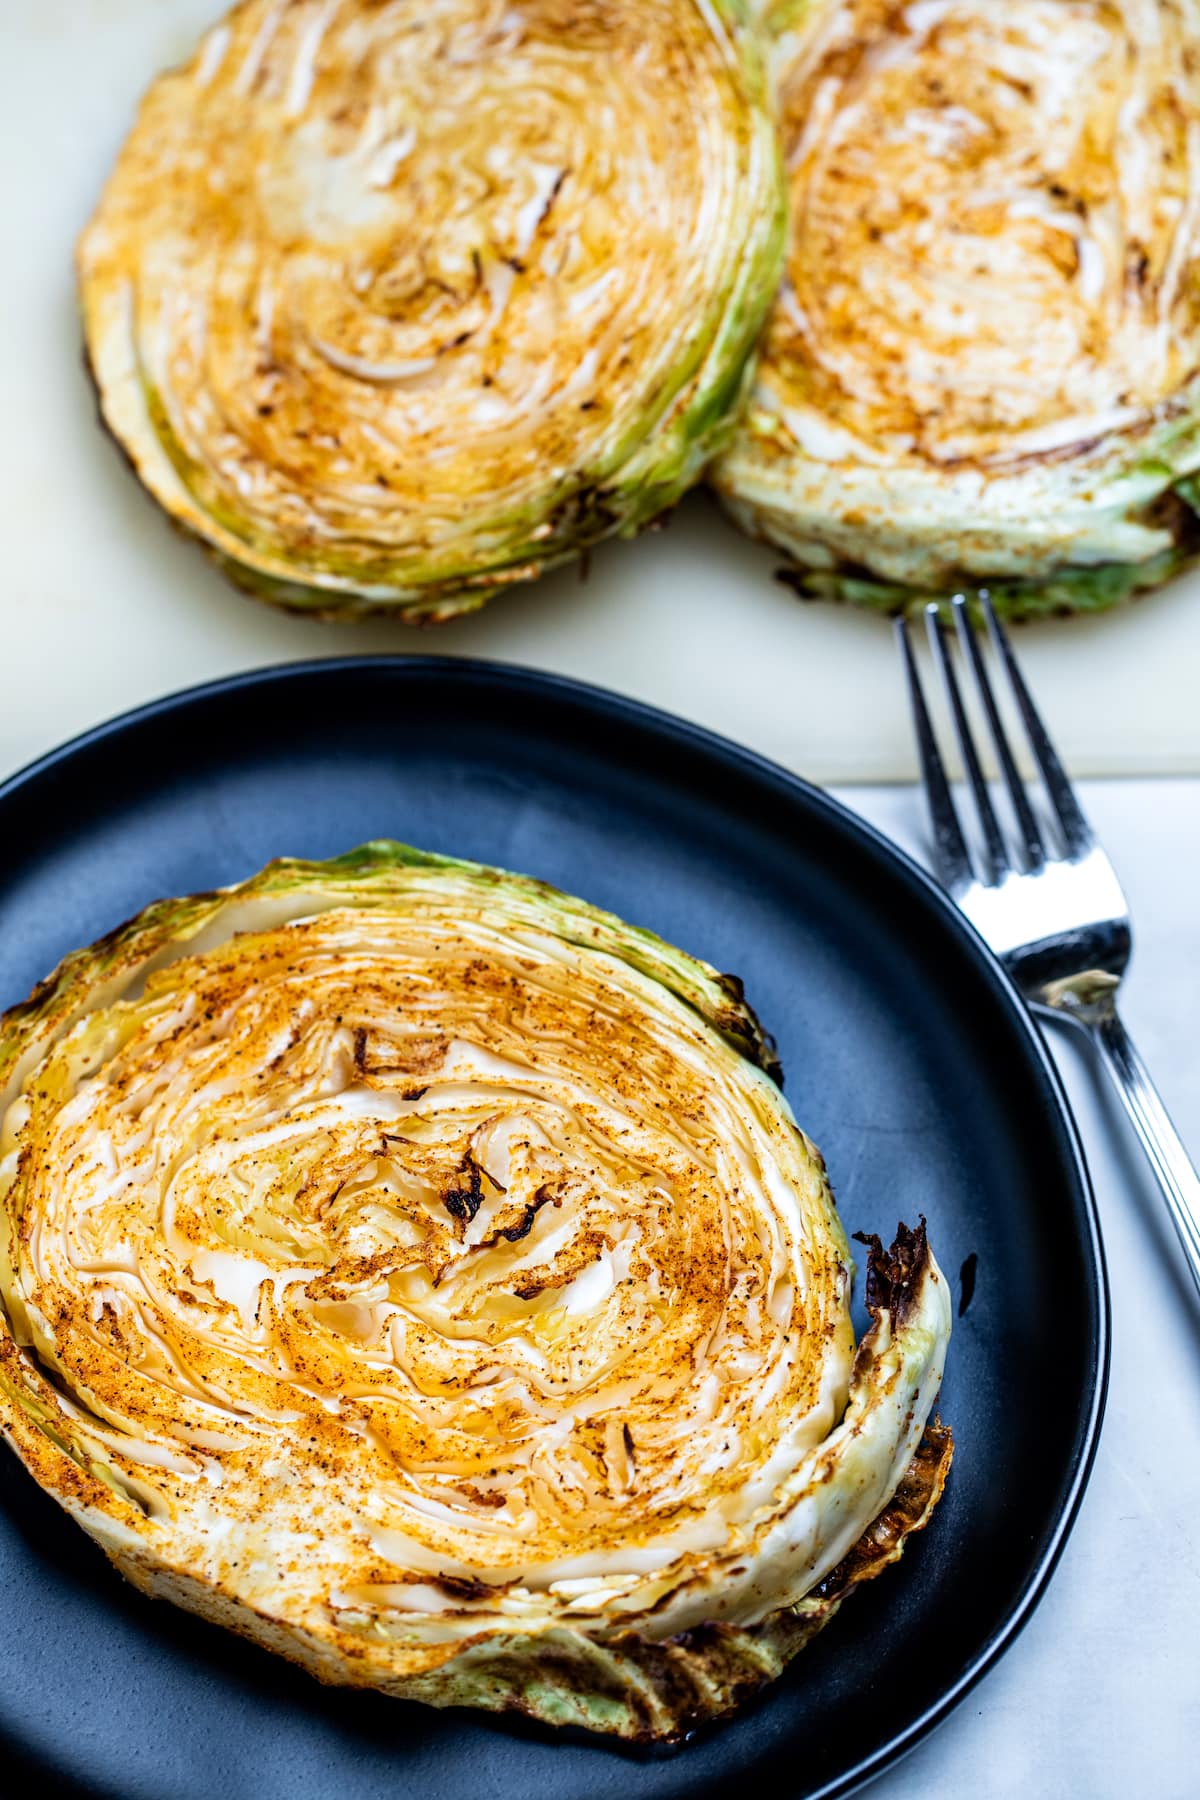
<point x="693" y="736"/>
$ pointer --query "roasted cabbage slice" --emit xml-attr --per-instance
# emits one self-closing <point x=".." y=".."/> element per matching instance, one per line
<point x="416" y="1270"/>
<point x="983" y="368"/>
<point x="395" y="304"/>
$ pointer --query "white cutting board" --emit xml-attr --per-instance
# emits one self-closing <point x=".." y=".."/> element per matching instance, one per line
<point x="104" y="607"/>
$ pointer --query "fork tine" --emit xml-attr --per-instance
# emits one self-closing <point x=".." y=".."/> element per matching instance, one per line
<point x="996" y="861"/>
<point x="1077" y="833"/>
<point x="951" y="858"/>
<point x="1031" y="837"/>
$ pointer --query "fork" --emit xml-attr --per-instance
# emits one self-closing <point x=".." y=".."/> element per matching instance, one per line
<point x="1049" y="905"/>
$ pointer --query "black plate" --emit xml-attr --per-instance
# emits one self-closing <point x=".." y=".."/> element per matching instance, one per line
<point x="908" y="1058"/>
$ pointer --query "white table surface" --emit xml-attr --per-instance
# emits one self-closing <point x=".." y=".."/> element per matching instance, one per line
<point x="1100" y="1695"/>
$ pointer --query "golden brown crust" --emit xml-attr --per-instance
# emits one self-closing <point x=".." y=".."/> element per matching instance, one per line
<point x="909" y="1510"/>
<point x="384" y="309"/>
<point x="990" y="207"/>
<point x="396" y="1271"/>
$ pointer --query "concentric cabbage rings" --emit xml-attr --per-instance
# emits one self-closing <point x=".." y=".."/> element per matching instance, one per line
<point x="414" y="1269"/>
<point x="983" y="367"/>
<point x="393" y="305"/>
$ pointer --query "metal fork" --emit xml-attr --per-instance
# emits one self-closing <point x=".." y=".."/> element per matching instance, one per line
<point x="1053" y="911"/>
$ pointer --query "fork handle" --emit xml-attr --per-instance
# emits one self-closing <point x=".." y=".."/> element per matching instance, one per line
<point x="1169" y="1159"/>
